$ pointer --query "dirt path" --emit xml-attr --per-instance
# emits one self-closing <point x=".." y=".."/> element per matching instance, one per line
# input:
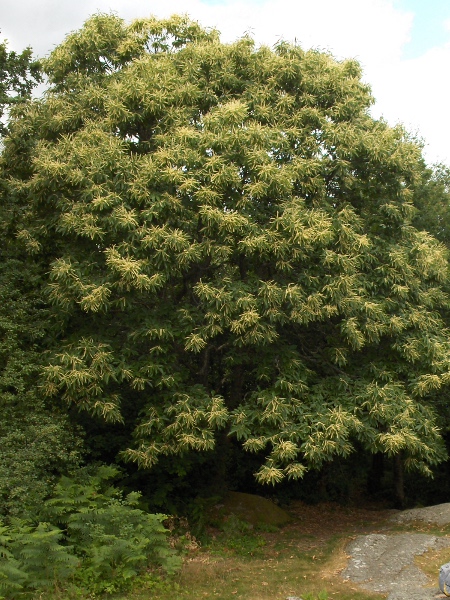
<point x="385" y="562"/>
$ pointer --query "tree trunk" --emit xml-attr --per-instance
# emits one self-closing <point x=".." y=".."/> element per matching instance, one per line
<point x="376" y="473"/>
<point x="399" y="483"/>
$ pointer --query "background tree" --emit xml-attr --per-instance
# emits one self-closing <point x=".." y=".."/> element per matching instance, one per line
<point x="230" y="247"/>
<point x="432" y="199"/>
<point x="19" y="73"/>
<point x="36" y="441"/>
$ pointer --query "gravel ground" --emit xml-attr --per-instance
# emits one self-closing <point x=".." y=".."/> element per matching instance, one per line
<point x="385" y="562"/>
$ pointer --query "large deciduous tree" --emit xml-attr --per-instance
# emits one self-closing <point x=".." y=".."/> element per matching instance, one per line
<point x="230" y="249"/>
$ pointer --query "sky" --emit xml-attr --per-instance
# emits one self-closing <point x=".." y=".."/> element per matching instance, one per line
<point x="402" y="45"/>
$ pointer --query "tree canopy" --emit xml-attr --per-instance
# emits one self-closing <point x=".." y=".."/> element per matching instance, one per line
<point x="19" y="73"/>
<point x="230" y="246"/>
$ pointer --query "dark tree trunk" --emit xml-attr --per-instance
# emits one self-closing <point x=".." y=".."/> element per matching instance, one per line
<point x="376" y="473"/>
<point x="236" y="387"/>
<point x="219" y="481"/>
<point x="399" y="482"/>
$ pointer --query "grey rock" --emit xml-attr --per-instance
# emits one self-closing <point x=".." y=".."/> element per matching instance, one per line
<point x="385" y="564"/>
<point x="438" y="514"/>
<point x="444" y="578"/>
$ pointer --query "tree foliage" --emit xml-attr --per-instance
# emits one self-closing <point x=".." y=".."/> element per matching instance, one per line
<point x="432" y="198"/>
<point x="19" y="73"/>
<point x="229" y="240"/>
<point x="36" y="441"/>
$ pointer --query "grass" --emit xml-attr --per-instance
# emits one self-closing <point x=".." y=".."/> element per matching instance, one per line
<point x="421" y="527"/>
<point x="220" y="578"/>
<point x="303" y="559"/>
<point x="430" y="561"/>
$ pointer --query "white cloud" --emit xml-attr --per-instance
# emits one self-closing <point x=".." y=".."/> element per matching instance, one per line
<point x="375" y="32"/>
<point x="416" y="92"/>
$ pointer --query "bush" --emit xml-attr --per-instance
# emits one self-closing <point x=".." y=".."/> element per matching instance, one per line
<point x="32" y="557"/>
<point x="91" y="534"/>
<point x="37" y="441"/>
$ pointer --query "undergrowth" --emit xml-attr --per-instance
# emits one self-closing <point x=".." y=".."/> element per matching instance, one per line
<point x="87" y="537"/>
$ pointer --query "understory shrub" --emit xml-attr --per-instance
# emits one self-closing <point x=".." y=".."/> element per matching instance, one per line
<point x="33" y="558"/>
<point x="88" y="533"/>
<point x="37" y="441"/>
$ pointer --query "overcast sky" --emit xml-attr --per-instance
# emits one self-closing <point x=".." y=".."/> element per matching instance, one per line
<point x="403" y="45"/>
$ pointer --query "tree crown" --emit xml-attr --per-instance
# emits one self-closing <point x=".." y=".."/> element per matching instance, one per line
<point x="230" y="247"/>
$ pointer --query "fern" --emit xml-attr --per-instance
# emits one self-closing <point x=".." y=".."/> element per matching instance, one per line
<point x="102" y="540"/>
<point x="87" y="492"/>
<point x="111" y="536"/>
<point x="12" y="577"/>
